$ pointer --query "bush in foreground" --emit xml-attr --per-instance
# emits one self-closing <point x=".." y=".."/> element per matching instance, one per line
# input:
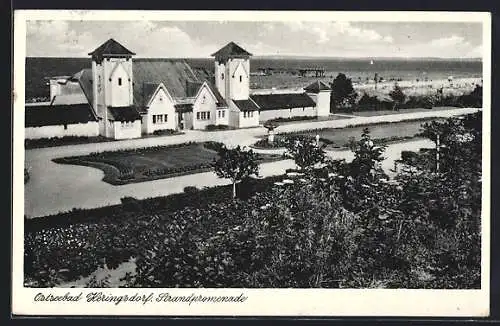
<point x="340" y="226"/>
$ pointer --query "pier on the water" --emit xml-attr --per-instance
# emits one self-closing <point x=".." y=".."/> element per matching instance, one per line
<point x="303" y="72"/>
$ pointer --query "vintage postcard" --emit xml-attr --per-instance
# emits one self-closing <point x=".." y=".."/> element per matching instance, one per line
<point x="251" y="163"/>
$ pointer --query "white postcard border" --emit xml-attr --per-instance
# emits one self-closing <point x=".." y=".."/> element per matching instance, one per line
<point x="263" y="302"/>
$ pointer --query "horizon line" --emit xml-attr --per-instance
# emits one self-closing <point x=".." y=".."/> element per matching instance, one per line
<point x="279" y="56"/>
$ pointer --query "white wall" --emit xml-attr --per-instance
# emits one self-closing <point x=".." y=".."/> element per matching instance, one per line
<point x="119" y="95"/>
<point x="287" y="113"/>
<point x="252" y="121"/>
<point x="224" y="117"/>
<point x="110" y="93"/>
<point x="239" y="90"/>
<point x="188" y="120"/>
<point x="90" y="129"/>
<point x="209" y="105"/>
<point x="160" y="104"/>
<point x="323" y="103"/>
<point x="234" y="115"/>
<point x="131" y="131"/>
<point x="220" y="83"/>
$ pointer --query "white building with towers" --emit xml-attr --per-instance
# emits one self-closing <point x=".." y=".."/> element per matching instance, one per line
<point x="128" y="98"/>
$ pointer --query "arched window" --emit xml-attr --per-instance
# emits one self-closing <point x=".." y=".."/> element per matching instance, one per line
<point x="119" y="81"/>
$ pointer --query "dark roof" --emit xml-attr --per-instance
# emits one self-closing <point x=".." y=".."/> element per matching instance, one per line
<point x="174" y="74"/>
<point x="282" y="101"/>
<point x="179" y="79"/>
<point x="231" y="50"/>
<point x="126" y="113"/>
<point x="185" y="107"/>
<point x="207" y="76"/>
<point x="316" y="87"/>
<point x="192" y="87"/>
<point x="246" y="105"/>
<point x="84" y="77"/>
<point x="111" y="48"/>
<point x="38" y="116"/>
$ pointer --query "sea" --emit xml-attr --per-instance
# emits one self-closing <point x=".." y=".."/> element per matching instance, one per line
<point x="284" y="70"/>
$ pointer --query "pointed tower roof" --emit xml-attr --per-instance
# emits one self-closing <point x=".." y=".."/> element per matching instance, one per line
<point x="231" y="50"/>
<point x="111" y="48"/>
<point x="317" y="87"/>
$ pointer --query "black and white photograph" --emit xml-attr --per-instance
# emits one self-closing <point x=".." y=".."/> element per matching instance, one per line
<point x="237" y="160"/>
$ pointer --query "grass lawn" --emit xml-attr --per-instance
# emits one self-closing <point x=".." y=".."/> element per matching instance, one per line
<point x="146" y="164"/>
<point x="78" y="140"/>
<point x="402" y="111"/>
<point x="337" y="138"/>
<point x="286" y="121"/>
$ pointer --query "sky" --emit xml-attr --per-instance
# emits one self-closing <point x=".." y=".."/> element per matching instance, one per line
<point x="199" y="39"/>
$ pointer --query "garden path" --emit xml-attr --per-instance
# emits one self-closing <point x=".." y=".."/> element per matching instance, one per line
<point x="53" y="187"/>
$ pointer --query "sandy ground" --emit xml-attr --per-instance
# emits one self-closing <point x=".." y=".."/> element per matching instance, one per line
<point x="457" y="86"/>
<point x="412" y="87"/>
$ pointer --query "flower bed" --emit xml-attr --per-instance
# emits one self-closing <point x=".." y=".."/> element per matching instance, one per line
<point x="145" y="164"/>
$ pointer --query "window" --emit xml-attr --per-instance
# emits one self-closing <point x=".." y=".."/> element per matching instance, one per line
<point x="244" y="114"/>
<point x="241" y="78"/>
<point x="222" y="76"/>
<point x="221" y="113"/>
<point x="160" y="118"/>
<point x="204" y="115"/>
<point x="203" y="99"/>
<point x="119" y="81"/>
<point x="127" y="124"/>
<point x="65" y="127"/>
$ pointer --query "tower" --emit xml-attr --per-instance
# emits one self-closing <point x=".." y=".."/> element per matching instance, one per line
<point x="112" y="79"/>
<point x="232" y="72"/>
<point x="321" y="94"/>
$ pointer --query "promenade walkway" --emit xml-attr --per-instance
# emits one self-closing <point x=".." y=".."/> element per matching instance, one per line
<point x="53" y="187"/>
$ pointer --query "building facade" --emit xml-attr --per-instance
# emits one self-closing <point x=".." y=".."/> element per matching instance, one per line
<point x="130" y="98"/>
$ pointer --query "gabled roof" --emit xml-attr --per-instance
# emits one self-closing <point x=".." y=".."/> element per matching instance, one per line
<point x="246" y="105"/>
<point x="84" y="77"/>
<point x="111" y="48"/>
<point x="282" y="101"/>
<point x="126" y="113"/>
<point x="184" y="107"/>
<point x="231" y="50"/>
<point x="174" y="74"/>
<point x="193" y="87"/>
<point x="204" y="75"/>
<point x="38" y="116"/>
<point x="317" y="87"/>
<point x="148" y="90"/>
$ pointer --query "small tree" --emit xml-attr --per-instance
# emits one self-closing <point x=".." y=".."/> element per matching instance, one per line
<point x="235" y="164"/>
<point x="305" y="152"/>
<point x="397" y="96"/>
<point x="367" y="158"/>
<point x="343" y="93"/>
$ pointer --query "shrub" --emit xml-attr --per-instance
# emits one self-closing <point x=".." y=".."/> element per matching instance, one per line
<point x="278" y="142"/>
<point x="190" y="189"/>
<point x="164" y="132"/>
<point x="216" y="127"/>
<point x="298" y="118"/>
